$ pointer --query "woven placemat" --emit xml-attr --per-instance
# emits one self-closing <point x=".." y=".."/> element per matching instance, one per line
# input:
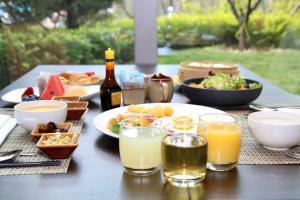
<point x="253" y="153"/>
<point x="19" y="138"/>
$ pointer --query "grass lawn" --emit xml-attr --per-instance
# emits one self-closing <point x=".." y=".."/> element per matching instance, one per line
<point x="281" y="67"/>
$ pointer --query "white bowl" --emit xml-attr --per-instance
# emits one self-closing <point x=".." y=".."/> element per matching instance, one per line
<point x="29" y="119"/>
<point x="275" y="130"/>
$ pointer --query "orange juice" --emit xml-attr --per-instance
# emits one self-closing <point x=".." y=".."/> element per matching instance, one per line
<point x="224" y="142"/>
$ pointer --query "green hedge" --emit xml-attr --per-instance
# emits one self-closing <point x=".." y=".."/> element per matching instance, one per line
<point x="31" y="46"/>
<point x="266" y="30"/>
<point x="187" y="30"/>
<point x="4" y="68"/>
<point x="28" y="46"/>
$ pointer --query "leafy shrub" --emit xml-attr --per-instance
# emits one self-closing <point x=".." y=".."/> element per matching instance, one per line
<point x="189" y="30"/>
<point x="25" y="47"/>
<point x="32" y="45"/>
<point x="117" y="35"/>
<point x="4" y="68"/>
<point x="267" y="29"/>
<point x="291" y="37"/>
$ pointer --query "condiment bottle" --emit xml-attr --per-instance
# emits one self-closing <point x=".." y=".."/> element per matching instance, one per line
<point x="110" y="91"/>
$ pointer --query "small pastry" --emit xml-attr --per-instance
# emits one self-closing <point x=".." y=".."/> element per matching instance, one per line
<point x="75" y="91"/>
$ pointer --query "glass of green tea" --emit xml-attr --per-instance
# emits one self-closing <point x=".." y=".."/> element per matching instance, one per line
<point x="184" y="156"/>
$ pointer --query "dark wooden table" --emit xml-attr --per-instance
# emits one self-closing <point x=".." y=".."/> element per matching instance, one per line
<point x="95" y="171"/>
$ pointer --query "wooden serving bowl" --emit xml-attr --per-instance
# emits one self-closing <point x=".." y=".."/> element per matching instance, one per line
<point x="58" y="151"/>
<point x="36" y="134"/>
<point x="76" y="109"/>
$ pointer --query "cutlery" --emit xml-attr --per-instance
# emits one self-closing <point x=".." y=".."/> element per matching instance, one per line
<point x="9" y="155"/>
<point x="293" y="154"/>
<point x="30" y="164"/>
<point x="265" y="108"/>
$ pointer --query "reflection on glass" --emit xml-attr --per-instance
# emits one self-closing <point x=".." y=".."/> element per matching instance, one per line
<point x="172" y="192"/>
<point x="139" y="187"/>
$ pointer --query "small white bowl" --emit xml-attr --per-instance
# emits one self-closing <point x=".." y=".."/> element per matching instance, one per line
<point x="275" y="130"/>
<point x="28" y="119"/>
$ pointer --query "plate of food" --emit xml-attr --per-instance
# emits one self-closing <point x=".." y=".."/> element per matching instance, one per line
<point x="79" y="78"/>
<point x="109" y="122"/>
<point x="85" y="92"/>
<point x="222" y="90"/>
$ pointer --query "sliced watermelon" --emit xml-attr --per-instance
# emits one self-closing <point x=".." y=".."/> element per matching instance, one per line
<point x="28" y="91"/>
<point x="54" y="87"/>
<point x="90" y="73"/>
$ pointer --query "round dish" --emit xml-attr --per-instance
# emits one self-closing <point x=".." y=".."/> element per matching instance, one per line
<point x="28" y="119"/>
<point x="275" y="130"/>
<point x="193" y="111"/>
<point x="211" y="97"/>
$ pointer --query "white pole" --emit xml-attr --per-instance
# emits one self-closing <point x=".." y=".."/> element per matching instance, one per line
<point x="145" y="13"/>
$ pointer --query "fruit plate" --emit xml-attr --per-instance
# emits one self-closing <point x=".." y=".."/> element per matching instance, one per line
<point x="14" y="96"/>
<point x="193" y="111"/>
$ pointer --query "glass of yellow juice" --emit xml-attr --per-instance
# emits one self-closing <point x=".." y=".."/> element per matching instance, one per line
<point x="184" y="155"/>
<point x="139" y="146"/>
<point x="223" y="135"/>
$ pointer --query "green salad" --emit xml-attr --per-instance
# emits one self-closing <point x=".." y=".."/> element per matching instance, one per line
<point x="221" y="81"/>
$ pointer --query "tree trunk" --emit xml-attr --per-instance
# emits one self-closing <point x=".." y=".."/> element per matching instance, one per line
<point x="242" y="38"/>
<point x="72" y="18"/>
<point x="72" y="21"/>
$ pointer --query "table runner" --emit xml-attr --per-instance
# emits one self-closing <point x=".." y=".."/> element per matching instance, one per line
<point x="19" y="138"/>
<point x="253" y="153"/>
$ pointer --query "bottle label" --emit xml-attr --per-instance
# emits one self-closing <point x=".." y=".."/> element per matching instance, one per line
<point x="116" y="98"/>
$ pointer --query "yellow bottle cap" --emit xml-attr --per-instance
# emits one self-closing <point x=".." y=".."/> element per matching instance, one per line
<point x="109" y="54"/>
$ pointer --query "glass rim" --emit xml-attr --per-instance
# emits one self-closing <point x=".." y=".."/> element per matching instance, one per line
<point x="157" y="123"/>
<point x="236" y="118"/>
<point x="198" y="136"/>
<point x="170" y="127"/>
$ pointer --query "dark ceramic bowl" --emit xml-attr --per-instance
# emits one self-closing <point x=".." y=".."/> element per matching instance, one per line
<point x="220" y="98"/>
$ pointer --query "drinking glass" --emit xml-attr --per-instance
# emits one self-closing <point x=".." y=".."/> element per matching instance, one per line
<point x="184" y="155"/>
<point x="139" y="146"/>
<point x="223" y="135"/>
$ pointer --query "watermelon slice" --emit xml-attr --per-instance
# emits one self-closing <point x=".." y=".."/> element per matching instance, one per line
<point x="90" y="73"/>
<point x="28" y="91"/>
<point x="54" y="87"/>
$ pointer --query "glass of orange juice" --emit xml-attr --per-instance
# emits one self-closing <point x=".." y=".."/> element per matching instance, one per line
<point x="223" y="134"/>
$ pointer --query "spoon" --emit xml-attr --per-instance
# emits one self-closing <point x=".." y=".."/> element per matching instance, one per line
<point x="293" y="154"/>
<point x="264" y="108"/>
<point x="9" y="155"/>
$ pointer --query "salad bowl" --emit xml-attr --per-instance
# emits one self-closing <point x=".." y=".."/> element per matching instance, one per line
<point x="220" y="97"/>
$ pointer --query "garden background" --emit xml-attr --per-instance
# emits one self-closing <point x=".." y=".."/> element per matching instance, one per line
<point x="187" y="30"/>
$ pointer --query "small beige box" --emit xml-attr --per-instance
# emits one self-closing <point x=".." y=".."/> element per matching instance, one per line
<point x="133" y="95"/>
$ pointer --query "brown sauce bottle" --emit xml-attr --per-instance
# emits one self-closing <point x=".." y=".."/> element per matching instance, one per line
<point x="110" y="91"/>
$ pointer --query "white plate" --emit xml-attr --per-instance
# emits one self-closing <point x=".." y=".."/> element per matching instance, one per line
<point x="193" y="111"/>
<point x="14" y="96"/>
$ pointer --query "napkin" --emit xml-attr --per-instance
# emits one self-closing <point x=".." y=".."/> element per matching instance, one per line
<point x="7" y="124"/>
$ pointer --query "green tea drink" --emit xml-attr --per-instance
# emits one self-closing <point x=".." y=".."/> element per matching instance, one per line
<point x="184" y="158"/>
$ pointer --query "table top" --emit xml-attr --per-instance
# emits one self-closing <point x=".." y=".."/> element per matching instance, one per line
<point x="95" y="171"/>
